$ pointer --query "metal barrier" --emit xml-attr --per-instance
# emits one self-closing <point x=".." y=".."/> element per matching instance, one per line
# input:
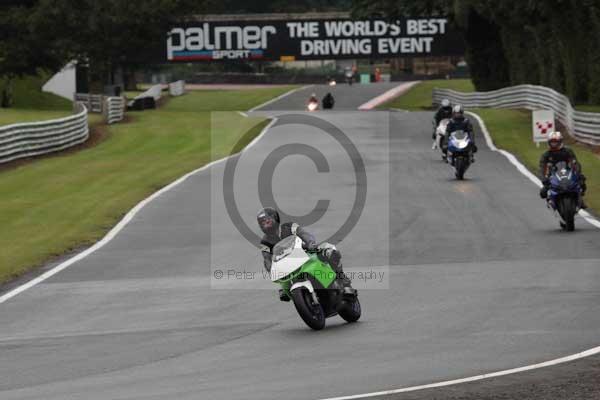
<point x="93" y="102"/>
<point x="177" y="88"/>
<point x="584" y="126"/>
<point x="36" y="138"/>
<point x="114" y="109"/>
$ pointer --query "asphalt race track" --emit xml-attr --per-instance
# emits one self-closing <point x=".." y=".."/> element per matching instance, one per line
<point x="346" y="97"/>
<point x="480" y="279"/>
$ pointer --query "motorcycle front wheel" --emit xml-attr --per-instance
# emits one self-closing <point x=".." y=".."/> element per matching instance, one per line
<point x="567" y="207"/>
<point x="312" y="314"/>
<point x="350" y="310"/>
<point x="460" y="167"/>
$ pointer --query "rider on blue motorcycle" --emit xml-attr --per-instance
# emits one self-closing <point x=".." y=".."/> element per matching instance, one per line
<point x="556" y="153"/>
<point x="274" y="231"/>
<point x="459" y="123"/>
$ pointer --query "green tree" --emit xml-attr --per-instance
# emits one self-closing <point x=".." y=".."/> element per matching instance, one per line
<point x="24" y="46"/>
<point x="275" y="6"/>
<point x="109" y="34"/>
<point x="555" y="43"/>
<point x="484" y="51"/>
<point x="593" y="45"/>
<point x="113" y="34"/>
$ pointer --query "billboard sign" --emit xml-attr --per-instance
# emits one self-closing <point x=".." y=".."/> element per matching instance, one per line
<point x="286" y="40"/>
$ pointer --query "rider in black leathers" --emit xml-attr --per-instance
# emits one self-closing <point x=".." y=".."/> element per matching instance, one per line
<point x="328" y="101"/>
<point x="445" y="111"/>
<point x="459" y="123"/>
<point x="274" y="231"/>
<point x="556" y="153"/>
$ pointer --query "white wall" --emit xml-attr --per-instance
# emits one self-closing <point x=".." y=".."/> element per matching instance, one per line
<point x="63" y="83"/>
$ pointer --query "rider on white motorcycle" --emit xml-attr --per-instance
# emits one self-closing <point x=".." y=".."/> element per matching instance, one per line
<point x="444" y="112"/>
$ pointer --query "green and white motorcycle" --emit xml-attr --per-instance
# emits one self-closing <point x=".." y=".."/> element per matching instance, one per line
<point x="312" y="285"/>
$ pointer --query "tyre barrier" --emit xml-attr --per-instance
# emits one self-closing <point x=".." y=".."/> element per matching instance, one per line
<point x="37" y="138"/>
<point x="114" y="110"/>
<point x="177" y="88"/>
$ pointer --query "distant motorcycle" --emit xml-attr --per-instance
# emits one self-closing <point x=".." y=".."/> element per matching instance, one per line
<point x="349" y="78"/>
<point x="564" y="196"/>
<point x="328" y="101"/>
<point x="459" y="154"/>
<point x="440" y="132"/>
<point x="312" y="105"/>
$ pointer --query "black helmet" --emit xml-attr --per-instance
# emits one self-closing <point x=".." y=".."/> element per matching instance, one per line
<point x="268" y="220"/>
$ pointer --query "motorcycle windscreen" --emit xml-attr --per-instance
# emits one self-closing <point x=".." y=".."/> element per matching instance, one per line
<point x="288" y="256"/>
<point x="562" y="170"/>
<point x="563" y="177"/>
<point x="459" y="139"/>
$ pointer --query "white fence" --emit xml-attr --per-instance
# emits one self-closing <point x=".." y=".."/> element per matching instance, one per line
<point x="177" y="88"/>
<point x="584" y="126"/>
<point x="114" y="109"/>
<point x="93" y="102"/>
<point x="36" y="138"/>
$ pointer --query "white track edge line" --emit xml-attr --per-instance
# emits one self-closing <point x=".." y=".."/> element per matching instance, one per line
<point x="386" y="96"/>
<point x="124" y="221"/>
<point x="586" y="353"/>
<point x="556" y="361"/>
<point x="258" y="107"/>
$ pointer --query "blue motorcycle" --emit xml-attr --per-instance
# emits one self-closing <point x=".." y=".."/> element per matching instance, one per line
<point x="459" y="152"/>
<point x="564" y="195"/>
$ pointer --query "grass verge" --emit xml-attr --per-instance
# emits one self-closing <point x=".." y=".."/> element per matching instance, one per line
<point x="418" y="98"/>
<point x="130" y="94"/>
<point x="31" y="104"/>
<point x="27" y="94"/>
<point x="588" y="108"/>
<point x="60" y="203"/>
<point x="9" y="116"/>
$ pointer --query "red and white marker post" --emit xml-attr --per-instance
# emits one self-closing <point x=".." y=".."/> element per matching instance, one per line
<point x="542" y="123"/>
